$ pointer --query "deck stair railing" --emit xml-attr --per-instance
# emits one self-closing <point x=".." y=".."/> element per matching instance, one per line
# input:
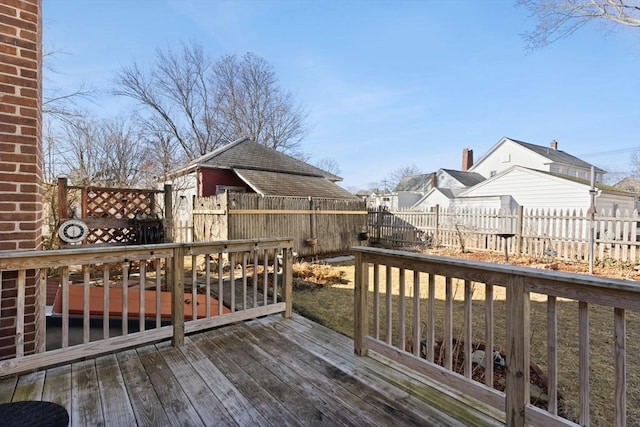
<point x="172" y="289"/>
<point x="389" y="319"/>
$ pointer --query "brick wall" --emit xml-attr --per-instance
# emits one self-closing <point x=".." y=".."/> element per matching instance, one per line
<point x="20" y="157"/>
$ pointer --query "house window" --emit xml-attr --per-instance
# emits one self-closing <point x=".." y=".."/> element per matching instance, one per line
<point x="230" y="188"/>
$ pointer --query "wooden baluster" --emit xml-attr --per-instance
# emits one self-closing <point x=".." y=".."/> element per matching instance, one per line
<point x="194" y="287"/>
<point x="620" y="339"/>
<point x="431" y="332"/>
<point x="416" y="313"/>
<point x="65" y="306"/>
<point x="376" y="301"/>
<point x="142" y="294"/>
<point x="448" y="324"/>
<point x="125" y="297"/>
<point x="389" y="305"/>
<point x="402" y="339"/>
<point x="105" y="301"/>
<point x="86" y="304"/>
<point x="488" y="334"/>
<point x="20" y="302"/>
<point x="583" y="354"/>
<point x="468" y="331"/>
<point x="552" y="354"/>
<point x="207" y="284"/>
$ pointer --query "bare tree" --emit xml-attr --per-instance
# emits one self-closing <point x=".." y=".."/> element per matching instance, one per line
<point x="105" y="153"/>
<point x="394" y="177"/>
<point x="203" y="105"/>
<point x="177" y="91"/>
<point x="254" y="104"/>
<point x="329" y="165"/>
<point x="558" y="19"/>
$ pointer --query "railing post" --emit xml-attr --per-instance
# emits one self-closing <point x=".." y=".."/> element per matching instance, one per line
<point x="361" y="319"/>
<point x="177" y="296"/>
<point x="287" y="279"/>
<point x="517" y="372"/>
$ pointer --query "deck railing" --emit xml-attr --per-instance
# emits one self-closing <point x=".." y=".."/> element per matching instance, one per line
<point x="391" y="315"/>
<point x="171" y="290"/>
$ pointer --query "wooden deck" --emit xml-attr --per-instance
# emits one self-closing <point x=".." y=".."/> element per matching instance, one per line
<point x="270" y="371"/>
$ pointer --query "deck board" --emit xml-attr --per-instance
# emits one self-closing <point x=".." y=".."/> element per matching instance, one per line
<point x="175" y="402"/>
<point x="238" y="406"/>
<point x="86" y="408"/>
<point x="268" y="371"/>
<point x="113" y="392"/>
<point x="203" y="399"/>
<point x="142" y="396"/>
<point x="57" y="386"/>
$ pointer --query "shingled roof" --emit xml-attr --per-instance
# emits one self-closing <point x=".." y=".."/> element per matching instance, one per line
<point x="246" y="154"/>
<point x="556" y="156"/>
<point x="270" y="172"/>
<point x="468" y="179"/>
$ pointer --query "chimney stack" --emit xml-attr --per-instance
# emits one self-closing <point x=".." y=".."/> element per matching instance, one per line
<point x="554" y="145"/>
<point x="434" y="180"/>
<point x="467" y="159"/>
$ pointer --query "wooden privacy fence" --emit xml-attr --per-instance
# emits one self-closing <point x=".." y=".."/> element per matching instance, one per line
<point x="317" y="226"/>
<point x="538" y="233"/>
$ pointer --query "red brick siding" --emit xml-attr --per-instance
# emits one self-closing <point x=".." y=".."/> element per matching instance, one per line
<point x="20" y="158"/>
<point x="209" y="178"/>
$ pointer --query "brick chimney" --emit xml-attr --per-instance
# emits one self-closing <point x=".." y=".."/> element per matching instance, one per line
<point x="554" y="145"/>
<point x="434" y="180"/>
<point x="20" y="165"/>
<point x="467" y="159"/>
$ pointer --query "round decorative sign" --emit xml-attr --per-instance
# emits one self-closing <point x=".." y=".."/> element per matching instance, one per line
<point x="73" y="231"/>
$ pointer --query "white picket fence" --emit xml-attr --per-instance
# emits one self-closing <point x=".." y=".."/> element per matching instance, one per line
<point x="537" y="233"/>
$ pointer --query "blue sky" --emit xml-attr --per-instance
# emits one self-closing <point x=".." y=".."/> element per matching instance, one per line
<point x="387" y="83"/>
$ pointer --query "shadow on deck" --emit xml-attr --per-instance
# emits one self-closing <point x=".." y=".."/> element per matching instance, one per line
<point x="269" y="371"/>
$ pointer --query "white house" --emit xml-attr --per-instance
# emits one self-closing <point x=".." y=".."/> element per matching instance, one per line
<point x="509" y="152"/>
<point x="535" y="189"/>
<point x="407" y="192"/>
<point x="446" y="184"/>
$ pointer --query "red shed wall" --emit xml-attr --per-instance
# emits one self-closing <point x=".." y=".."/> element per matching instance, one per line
<point x="210" y="178"/>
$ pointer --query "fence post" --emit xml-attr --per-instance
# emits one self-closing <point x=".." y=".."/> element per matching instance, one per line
<point x="168" y="213"/>
<point x="519" y="227"/>
<point x="177" y="296"/>
<point x="379" y="218"/>
<point x="62" y="199"/>
<point x="437" y="226"/>
<point x="517" y="372"/>
<point x="361" y="320"/>
<point x="287" y="278"/>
